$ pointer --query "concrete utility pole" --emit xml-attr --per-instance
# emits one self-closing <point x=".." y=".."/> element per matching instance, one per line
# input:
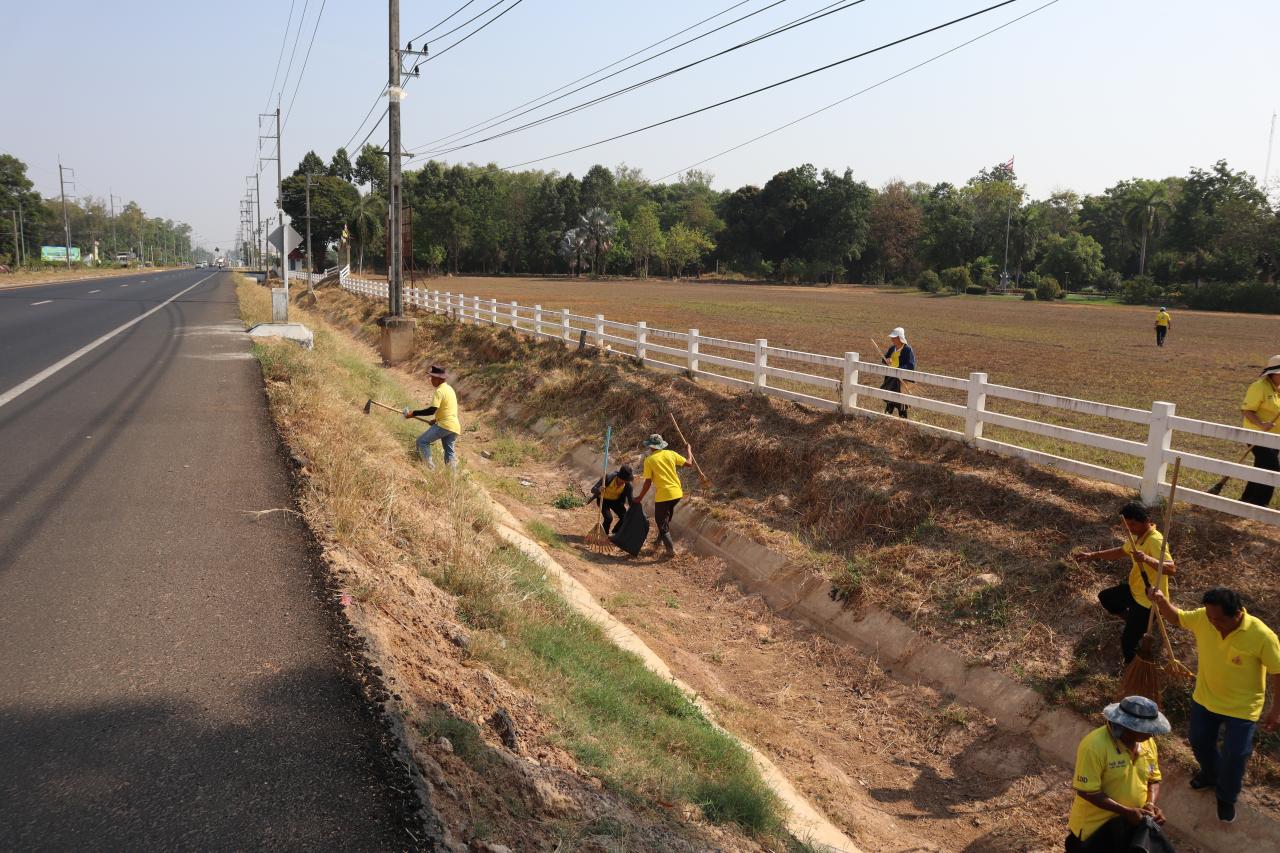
<point x="284" y="254"/>
<point x="66" y="223"/>
<point x="115" y="247"/>
<point x="311" y="264"/>
<point x="17" y="256"/>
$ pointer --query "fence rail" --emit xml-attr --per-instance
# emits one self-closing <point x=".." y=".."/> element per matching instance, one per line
<point x="753" y="365"/>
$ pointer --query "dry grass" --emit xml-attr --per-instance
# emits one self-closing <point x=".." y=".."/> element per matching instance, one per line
<point x="892" y="515"/>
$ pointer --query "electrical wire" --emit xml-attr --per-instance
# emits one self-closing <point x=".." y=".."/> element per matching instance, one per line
<point x="376" y="125"/>
<point x="376" y="101"/>
<point x="847" y="98"/>
<point x="305" y="60"/>
<point x="294" y="52"/>
<point x="803" y="20"/>
<point x="460" y="26"/>
<point x="460" y="133"/>
<point x="766" y="88"/>
<point x="441" y="53"/>
<point x="443" y="22"/>
<point x="283" y="41"/>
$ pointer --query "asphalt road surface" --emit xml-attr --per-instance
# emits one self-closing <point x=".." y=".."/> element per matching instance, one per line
<point x="172" y="675"/>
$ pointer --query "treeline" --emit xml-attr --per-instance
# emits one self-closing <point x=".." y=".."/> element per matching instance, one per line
<point x="1209" y="239"/>
<point x="130" y="231"/>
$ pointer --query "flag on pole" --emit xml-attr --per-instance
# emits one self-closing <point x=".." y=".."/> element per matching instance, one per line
<point x="1009" y="164"/>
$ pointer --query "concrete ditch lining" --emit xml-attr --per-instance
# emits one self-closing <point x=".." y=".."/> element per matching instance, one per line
<point x="796" y="594"/>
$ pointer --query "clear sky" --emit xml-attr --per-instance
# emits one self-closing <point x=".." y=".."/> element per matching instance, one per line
<point x="158" y="101"/>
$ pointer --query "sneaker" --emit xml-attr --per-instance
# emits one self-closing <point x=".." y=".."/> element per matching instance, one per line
<point x="1226" y="811"/>
<point x="1199" y="783"/>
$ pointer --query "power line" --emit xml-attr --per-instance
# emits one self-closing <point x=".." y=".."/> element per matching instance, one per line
<point x="445" y="21"/>
<point x="460" y="26"/>
<point x="798" y="22"/>
<point x="283" y="40"/>
<point x="292" y="53"/>
<point x="305" y="60"/>
<point x="761" y="89"/>
<point x="493" y="120"/>
<point x="376" y="125"/>
<point x="473" y="32"/>
<point x="847" y="98"/>
<point x="376" y="101"/>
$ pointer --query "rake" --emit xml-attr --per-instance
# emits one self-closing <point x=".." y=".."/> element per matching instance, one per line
<point x="1216" y="488"/>
<point x="702" y="478"/>
<point x="597" y="538"/>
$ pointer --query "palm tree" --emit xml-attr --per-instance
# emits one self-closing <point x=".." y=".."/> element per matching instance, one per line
<point x="367" y="216"/>
<point x="1147" y="210"/>
<point x="598" y="231"/>
<point x="571" y="245"/>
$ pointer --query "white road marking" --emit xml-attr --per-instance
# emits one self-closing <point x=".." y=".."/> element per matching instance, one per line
<point x="95" y="291"/>
<point x="124" y="285"/>
<point x="42" y="302"/>
<point x="17" y="390"/>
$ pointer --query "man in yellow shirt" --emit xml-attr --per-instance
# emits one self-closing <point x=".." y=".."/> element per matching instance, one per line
<point x="1261" y="409"/>
<point x="446" y="427"/>
<point x="1129" y="600"/>
<point x="1117" y="783"/>
<point x="660" y="472"/>
<point x="1162" y="326"/>
<point x="1236" y="653"/>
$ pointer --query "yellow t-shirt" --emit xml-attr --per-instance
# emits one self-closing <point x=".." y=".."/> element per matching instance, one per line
<point x="1162" y="319"/>
<point x="1142" y="576"/>
<point x="1103" y="764"/>
<point x="446" y="403"/>
<point x="660" y="468"/>
<point x="1231" y="672"/>
<point x="1262" y="399"/>
<point x="895" y="356"/>
<point x="614" y="489"/>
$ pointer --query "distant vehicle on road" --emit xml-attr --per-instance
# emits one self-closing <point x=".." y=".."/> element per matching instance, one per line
<point x="201" y="265"/>
<point x="220" y="263"/>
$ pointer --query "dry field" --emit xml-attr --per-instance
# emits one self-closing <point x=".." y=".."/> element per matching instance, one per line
<point x="55" y="275"/>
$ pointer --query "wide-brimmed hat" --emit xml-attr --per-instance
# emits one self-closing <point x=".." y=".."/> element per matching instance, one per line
<point x="1162" y="308"/>
<point x="437" y="370"/>
<point x="1137" y="714"/>
<point x="626" y="473"/>
<point x="655" y="441"/>
<point x="1273" y="366"/>
<point x="899" y="333"/>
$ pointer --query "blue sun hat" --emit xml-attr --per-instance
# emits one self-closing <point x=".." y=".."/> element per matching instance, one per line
<point x="1137" y="714"/>
<point x="655" y="441"/>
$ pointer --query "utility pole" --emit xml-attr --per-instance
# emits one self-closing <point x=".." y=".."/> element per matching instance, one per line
<point x="1008" y="214"/>
<point x="17" y="258"/>
<point x="66" y="223"/>
<point x="1266" y="172"/>
<point x="284" y="244"/>
<point x="311" y="264"/>
<point x="114" y="249"/>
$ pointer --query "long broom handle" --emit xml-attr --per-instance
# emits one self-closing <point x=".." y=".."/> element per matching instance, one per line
<point x="1217" y="487"/>
<point x="685" y="441"/>
<point x="1164" y="544"/>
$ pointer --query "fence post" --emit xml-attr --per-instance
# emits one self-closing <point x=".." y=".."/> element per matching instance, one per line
<point x="537" y="321"/>
<point x="977" y="404"/>
<point x="1159" y="439"/>
<point x="462" y="308"/>
<point x="492" y="313"/>
<point x="848" y="396"/>
<point x="448" y="304"/>
<point x="761" y="362"/>
<point x="600" y="332"/>
<point x="515" y="315"/>
<point x="564" y="325"/>
<point x="475" y="310"/>
<point x="693" y="354"/>
<point x="642" y="340"/>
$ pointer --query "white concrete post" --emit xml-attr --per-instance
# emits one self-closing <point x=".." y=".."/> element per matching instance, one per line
<point x="977" y="404"/>
<point x="462" y="308"/>
<point x="693" y="354"/>
<point x="515" y="315"/>
<point x="537" y="321"/>
<point x="600" y="331"/>
<point x="475" y="311"/>
<point x="642" y="340"/>
<point x="1159" y="439"/>
<point x="564" y="324"/>
<point x="761" y="362"/>
<point x="492" y="313"/>
<point x="448" y="304"/>
<point x="849" y="382"/>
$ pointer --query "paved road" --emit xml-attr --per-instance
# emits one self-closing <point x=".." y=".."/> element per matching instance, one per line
<point x="170" y="673"/>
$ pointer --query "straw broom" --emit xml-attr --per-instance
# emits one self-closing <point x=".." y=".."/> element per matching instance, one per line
<point x="1142" y="676"/>
<point x="597" y="538"/>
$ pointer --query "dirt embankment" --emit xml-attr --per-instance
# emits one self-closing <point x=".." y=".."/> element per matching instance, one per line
<point x="968" y="548"/>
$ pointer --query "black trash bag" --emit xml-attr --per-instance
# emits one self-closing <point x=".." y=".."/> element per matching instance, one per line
<point x="634" y="529"/>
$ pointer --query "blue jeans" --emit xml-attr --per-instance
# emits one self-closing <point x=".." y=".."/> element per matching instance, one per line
<point x="446" y="438"/>
<point x="1224" y="767"/>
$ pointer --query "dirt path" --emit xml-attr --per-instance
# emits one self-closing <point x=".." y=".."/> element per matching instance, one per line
<point x="898" y="768"/>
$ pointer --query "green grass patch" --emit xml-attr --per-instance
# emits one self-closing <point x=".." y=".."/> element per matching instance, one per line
<point x="544" y="533"/>
<point x="568" y="499"/>
<point x="510" y="451"/>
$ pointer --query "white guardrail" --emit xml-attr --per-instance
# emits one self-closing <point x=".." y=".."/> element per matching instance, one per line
<point x="750" y="366"/>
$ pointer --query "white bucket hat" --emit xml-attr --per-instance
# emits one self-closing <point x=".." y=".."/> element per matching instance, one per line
<point x="1273" y="365"/>
<point x="899" y="333"/>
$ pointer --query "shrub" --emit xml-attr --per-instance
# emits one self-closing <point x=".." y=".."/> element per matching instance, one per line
<point x="929" y="282"/>
<point x="1028" y="296"/>
<point x="1251" y="296"/>
<point x="1110" y="281"/>
<point x="1031" y="279"/>
<point x="568" y="499"/>
<point x="975" y="290"/>
<point x="956" y="279"/>
<point x="983" y="271"/>
<point x="1048" y="289"/>
<point x="1140" y="290"/>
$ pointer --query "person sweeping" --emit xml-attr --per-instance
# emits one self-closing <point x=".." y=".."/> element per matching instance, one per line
<point x="615" y="495"/>
<point x="900" y="355"/>
<point x="445" y="426"/>
<point x="661" y="473"/>
<point x="1261" y="410"/>
<point x="1143" y="551"/>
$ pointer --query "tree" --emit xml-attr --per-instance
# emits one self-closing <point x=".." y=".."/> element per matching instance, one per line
<point x="332" y="201"/>
<point x="340" y="166"/>
<point x="371" y="170"/>
<point x="684" y="246"/>
<point x="1147" y="209"/>
<point x="836" y="223"/>
<point x="894" y="227"/>
<point x="1074" y="258"/>
<point x="572" y="243"/>
<point x="598" y="232"/>
<point x="948" y="226"/>
<point x="366" y="221"/>
<point x="645" y="237"/>
<point x="311" y="165"/>
<point x="598" y="189"/>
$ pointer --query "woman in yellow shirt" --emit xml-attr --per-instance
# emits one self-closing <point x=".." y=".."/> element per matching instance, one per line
<point x="1261" y="409"/>
<point x="660" y="472"/>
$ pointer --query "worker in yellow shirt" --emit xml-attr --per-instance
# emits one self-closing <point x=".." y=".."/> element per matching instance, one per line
<point x="1162" y="325"/>
<point x="1236" y="654"/>
<point x="445" y="426"/>
<point x="1129" y="600"/>
<point x="1117" y="783"/>
<point x="661" y="473"/>
<point x="1261" y="409"/>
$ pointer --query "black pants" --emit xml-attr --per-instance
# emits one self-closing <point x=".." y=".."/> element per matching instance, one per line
<point x="1161" y="331"/>
<point x="1268" y="459"/>
<point x="610" y="509"/>
<point x="662" y="512"/>
<point x="1117" y="836"/>
<point x="1119" y="601"/>
<point x="893" y="383"/>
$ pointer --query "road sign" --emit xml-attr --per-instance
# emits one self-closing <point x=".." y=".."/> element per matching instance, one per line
<point x="292" y="236"/>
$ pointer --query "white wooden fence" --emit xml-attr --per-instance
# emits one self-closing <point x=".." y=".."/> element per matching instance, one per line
<point x="751" y="366"/>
